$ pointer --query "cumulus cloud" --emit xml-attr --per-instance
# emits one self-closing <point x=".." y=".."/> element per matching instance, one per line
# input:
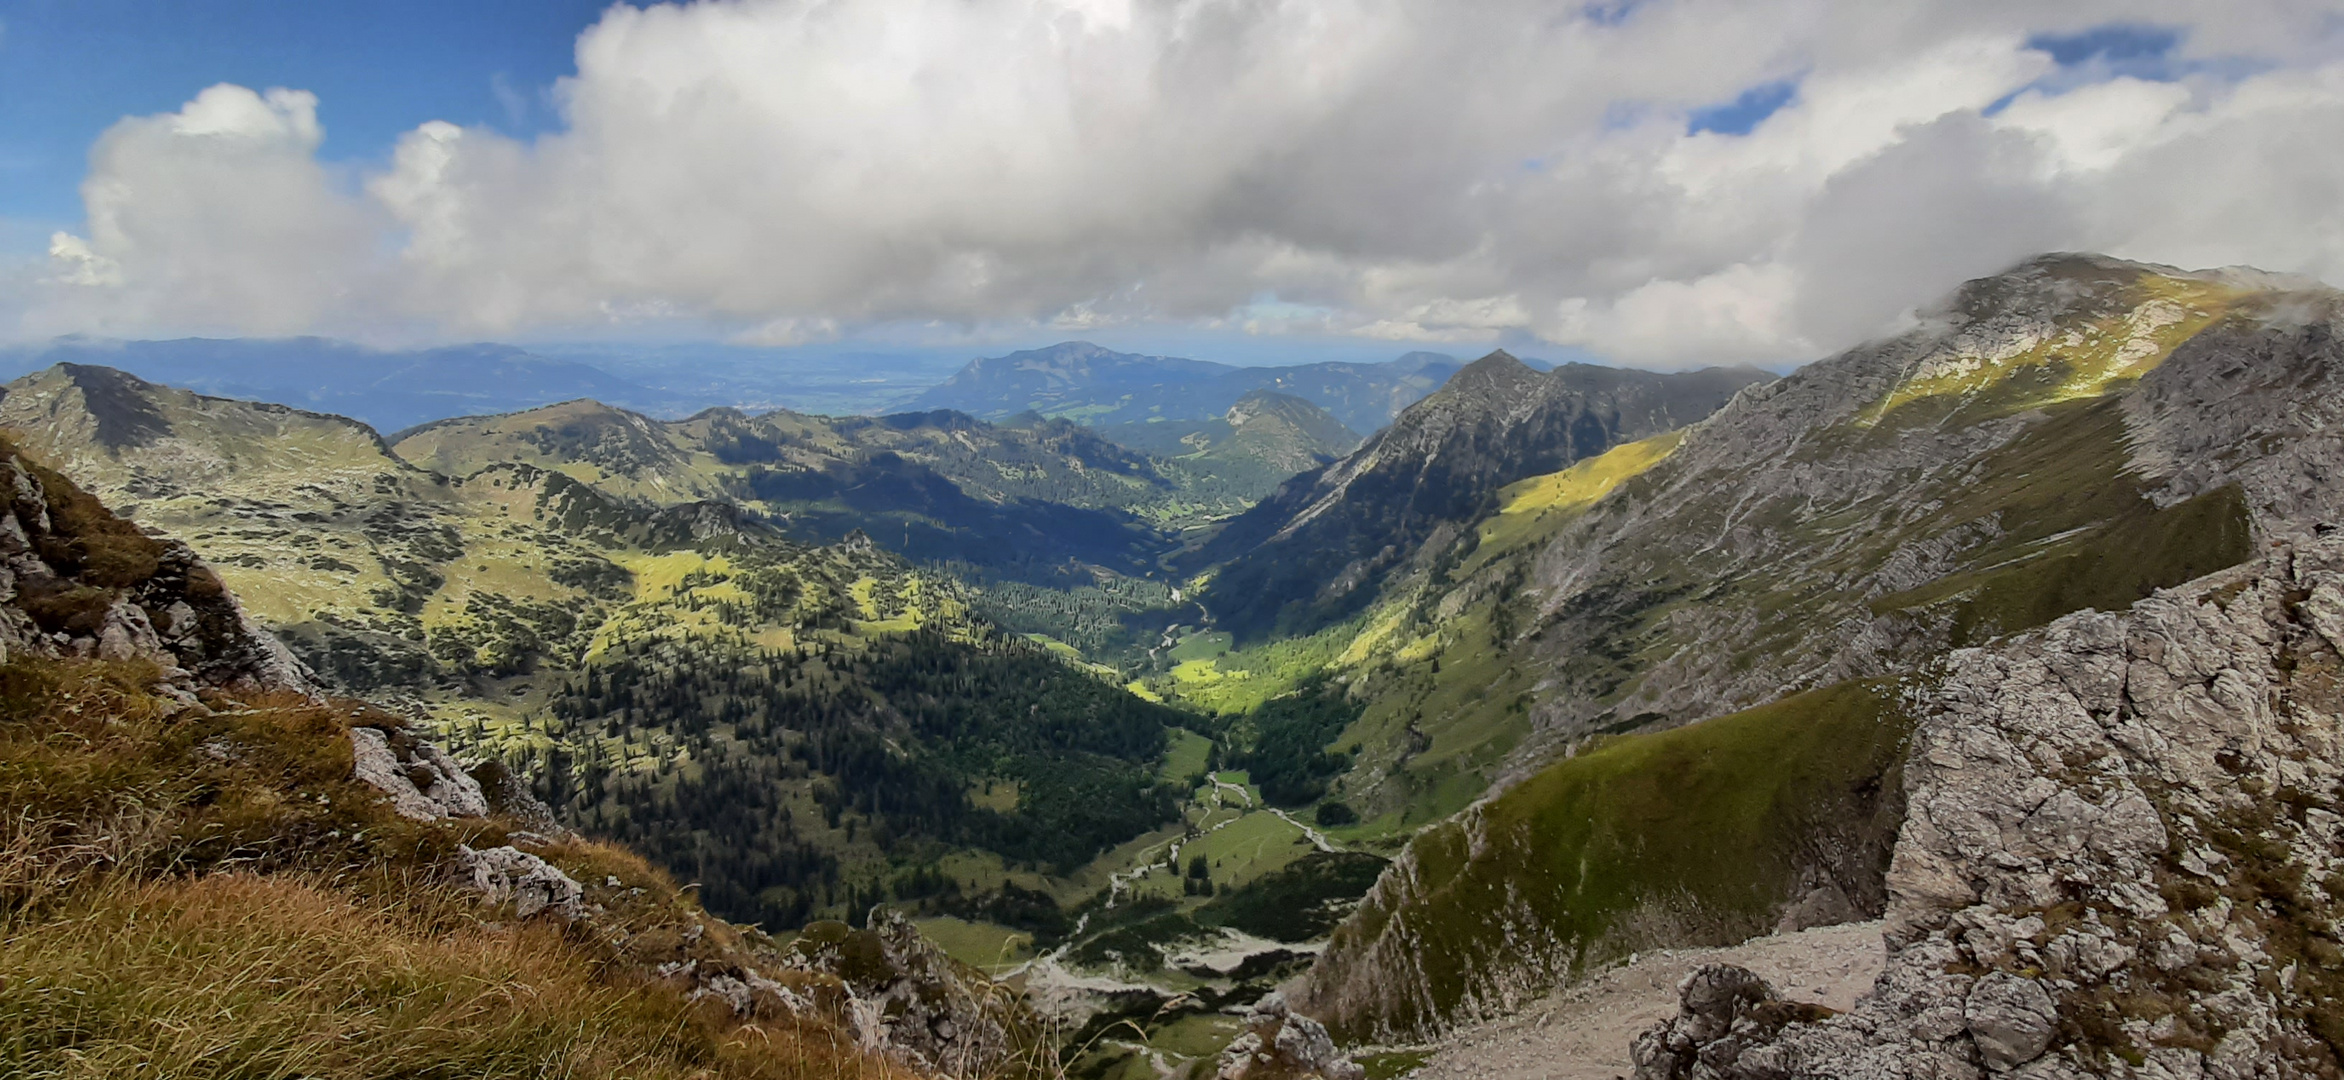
<point x="788" y="170"/>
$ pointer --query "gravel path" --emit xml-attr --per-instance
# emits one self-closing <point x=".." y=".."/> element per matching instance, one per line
<point x="1582" y="1033"/>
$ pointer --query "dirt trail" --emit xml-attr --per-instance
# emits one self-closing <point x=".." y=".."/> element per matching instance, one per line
<point x="1582" y="1033"/>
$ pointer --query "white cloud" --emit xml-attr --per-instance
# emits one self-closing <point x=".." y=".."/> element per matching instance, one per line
<point x="788" y="170"/>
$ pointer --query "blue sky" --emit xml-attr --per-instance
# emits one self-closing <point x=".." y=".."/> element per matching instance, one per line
<point x="70" y="68"/>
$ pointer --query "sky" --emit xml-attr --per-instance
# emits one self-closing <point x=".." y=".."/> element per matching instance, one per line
<point x="1663" y="183"/>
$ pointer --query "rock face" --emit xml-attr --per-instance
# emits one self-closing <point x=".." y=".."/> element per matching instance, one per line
<point x="1723" y="1010"/>
<point x="78" y="581"/>
<point x="1281" y="1045"/>
<point x="2073" y="434"/>
<point x="910" y="999"/>
<point x="424" y="783"/>
<point x="2121" y="857"/>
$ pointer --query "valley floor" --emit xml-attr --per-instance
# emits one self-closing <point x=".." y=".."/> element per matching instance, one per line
<point x="1583" y="1032"/>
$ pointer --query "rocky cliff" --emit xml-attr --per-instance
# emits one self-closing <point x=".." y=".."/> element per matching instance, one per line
<point x="2121" y="857"/>
<point x="76" y="581"/>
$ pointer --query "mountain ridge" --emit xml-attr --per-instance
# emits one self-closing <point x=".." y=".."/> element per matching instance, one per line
<point x="1082" y="381"/>
<point x="1315" y="550"/>
<point x="2077" y="432"/>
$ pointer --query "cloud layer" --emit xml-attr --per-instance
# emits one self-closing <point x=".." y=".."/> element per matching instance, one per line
<point x="788" y="170"/>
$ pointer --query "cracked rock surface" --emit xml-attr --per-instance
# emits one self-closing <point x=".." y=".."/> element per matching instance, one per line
<point x="2123" y="855"/>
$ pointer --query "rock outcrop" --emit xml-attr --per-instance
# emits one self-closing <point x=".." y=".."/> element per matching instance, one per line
<point x="531" y="883"/>
<point x="424" y="783"/>
<point x="2123" y="855"/>
<point x="77" y="581"/>
<point x="909" y="999"/>
<point x="1279" y="1044"/>
<point x="1723" y="1009"/>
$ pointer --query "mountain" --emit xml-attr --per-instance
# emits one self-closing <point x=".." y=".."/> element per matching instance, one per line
<point x="1244" y="454"/>
<point x="1080" y="381"/>
<point x="1316" y="550"/>
<point x="1057" y="529"/>
<point x="212" y="869"/>
<point x="600" y="645"/>
<point x="1735" y="637"/>
<point x="388" y="389"/>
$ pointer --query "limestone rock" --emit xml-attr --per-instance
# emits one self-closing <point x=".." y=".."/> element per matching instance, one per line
<point x="2113" y="859"/>
<point x="908" y="998"/>
<point x="172" y="612"/>
<point x="424" y="783"/>
<point x="2011" y="1018"/>
<point x="531" y="883"/>
<point x="1279" y="1044"/>
<point x="1725" y="1016"/>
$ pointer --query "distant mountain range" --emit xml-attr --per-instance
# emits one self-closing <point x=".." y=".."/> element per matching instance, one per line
<point x="388" y="389"/>
<point x="395" y="389"/>
<point x="1079" y="381"/>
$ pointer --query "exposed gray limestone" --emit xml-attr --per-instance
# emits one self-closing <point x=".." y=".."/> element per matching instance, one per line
<point x="2119" y="854"/>
<point x="424" y="783"/>
<point x="532" y="884"/>
<point x="1282" y="1045"/>
<point x="910" y="1000"/>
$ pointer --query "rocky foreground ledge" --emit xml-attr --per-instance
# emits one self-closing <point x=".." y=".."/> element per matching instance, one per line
<point x="2122" y="858"/>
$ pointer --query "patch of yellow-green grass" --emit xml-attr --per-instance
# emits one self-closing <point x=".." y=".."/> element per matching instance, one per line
<point x="1256" y="844"/>
<point x="1241" y="680"/>
<point x="1139" y="689"/>
<point x="981" y="945"/>
<point x="1196" y="1036"/>
<point x="2081" y="361"/>
<point x="1202" y="646"/>
<point x="1531" y="510"/>
<point x="1185" y="754"/>
<point x="1072" y="655"/>
<point x="995" y="794"/>
<point x="664" y="574"/>
<point x="1191" y="675"/>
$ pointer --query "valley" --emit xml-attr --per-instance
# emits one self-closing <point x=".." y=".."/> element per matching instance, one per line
<point x="1145" y="716"/>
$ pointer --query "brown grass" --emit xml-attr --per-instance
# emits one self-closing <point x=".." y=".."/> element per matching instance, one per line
<point x="206" y="893"/>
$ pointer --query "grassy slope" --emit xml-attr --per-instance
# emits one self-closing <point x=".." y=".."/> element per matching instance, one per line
<point x="191" y="893"/>
<point x="1446" y="675"/>
<point x="1694" y="835"/>
<point x="1443" y="699"/>
<point x="1681" y="836"/>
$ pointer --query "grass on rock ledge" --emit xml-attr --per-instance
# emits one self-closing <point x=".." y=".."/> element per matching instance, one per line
<point x="204" y="892"/>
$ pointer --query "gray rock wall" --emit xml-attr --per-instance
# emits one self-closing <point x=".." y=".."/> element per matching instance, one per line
<point x="2122" y="855"/>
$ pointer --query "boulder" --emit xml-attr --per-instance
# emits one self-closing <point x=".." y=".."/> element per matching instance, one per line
<point x="1279" y="1044"/>
<point x="532" y="884"/>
